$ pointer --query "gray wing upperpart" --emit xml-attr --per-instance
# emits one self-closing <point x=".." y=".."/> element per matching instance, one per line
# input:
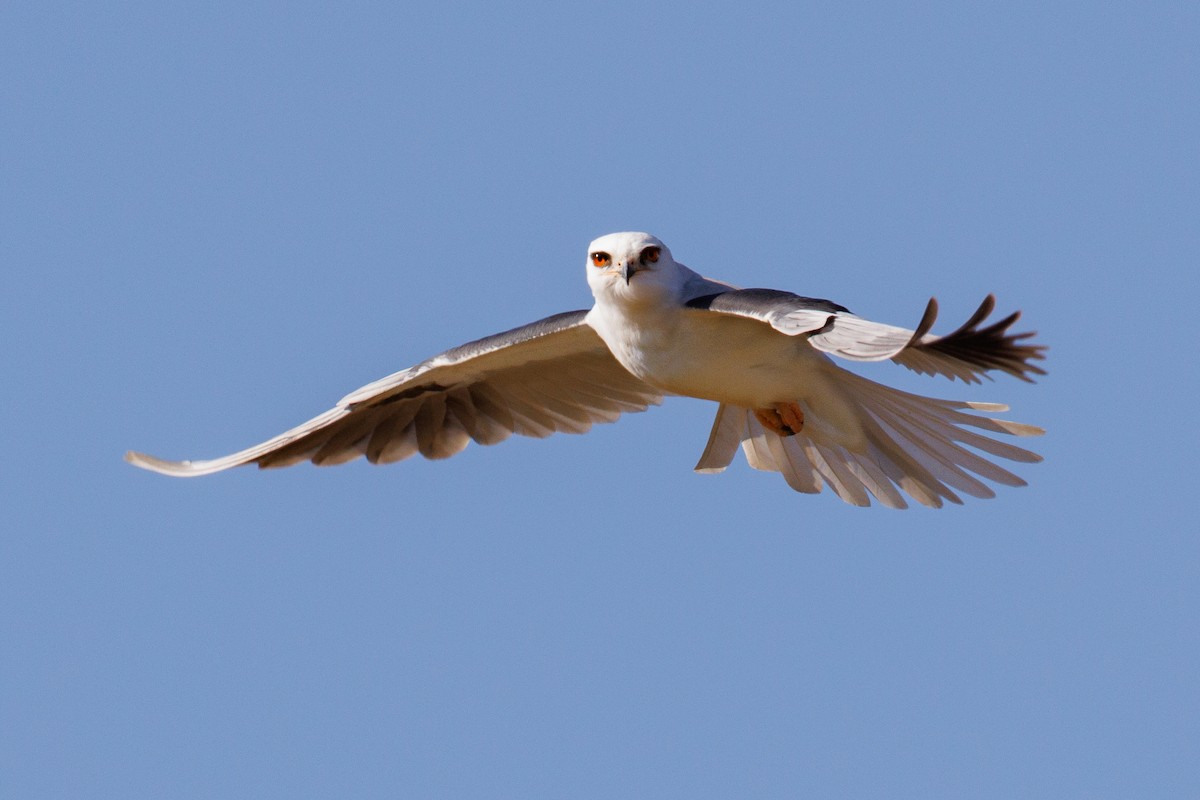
<point x="553" y="375"/>
<point x="966" y="354"/>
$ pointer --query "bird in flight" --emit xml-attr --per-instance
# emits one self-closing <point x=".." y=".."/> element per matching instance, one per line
<point x="657" y="328"/>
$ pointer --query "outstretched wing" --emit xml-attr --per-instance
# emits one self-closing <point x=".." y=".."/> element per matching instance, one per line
<point x="552" y="375"/>
<point x="967" y="354"/>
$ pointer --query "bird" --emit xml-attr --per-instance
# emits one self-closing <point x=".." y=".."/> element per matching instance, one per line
<point x="658" y="329"/>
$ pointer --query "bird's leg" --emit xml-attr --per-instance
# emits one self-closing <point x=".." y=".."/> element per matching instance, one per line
<point x="785" y="419"/>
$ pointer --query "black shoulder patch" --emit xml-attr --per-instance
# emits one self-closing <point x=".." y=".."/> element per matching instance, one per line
<point x="762" y="302"/>
<point x="523" y="333"/>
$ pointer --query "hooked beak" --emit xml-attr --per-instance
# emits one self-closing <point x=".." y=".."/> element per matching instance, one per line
<point x="628" y="269"/>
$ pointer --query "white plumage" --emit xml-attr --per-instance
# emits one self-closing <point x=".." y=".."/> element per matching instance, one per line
<point x="658" y="328"/>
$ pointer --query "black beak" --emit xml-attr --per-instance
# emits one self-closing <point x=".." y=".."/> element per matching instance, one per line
<point x="628" y="270"/>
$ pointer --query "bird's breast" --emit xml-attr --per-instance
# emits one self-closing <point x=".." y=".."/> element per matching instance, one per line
<point x="711" y="356"/>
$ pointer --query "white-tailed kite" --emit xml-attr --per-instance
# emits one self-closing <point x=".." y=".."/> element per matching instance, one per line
<point x="657" y="328"/>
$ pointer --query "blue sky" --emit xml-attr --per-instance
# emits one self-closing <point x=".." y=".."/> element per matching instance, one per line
<point x="218" y="218"/>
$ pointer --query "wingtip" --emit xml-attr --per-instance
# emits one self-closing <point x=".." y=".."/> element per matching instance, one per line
<point x="140" y="459"/>
<point x="161" y="466"/>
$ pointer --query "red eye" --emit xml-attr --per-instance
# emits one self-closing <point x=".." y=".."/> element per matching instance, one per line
<point x="601" y="259"/>
<point x="650" y="255"/>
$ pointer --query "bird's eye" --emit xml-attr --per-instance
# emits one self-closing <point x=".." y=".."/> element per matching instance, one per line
<point x="601" y="259"/>
<point x="650" y="255"/>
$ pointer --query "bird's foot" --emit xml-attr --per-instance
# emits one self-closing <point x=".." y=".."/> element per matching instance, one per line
<point x="785" y="419"/>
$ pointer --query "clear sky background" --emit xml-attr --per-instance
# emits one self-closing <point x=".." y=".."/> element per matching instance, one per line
<point x="218" y="218"/>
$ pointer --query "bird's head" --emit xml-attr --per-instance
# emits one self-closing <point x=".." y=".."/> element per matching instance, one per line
<point x="631" y="268"/>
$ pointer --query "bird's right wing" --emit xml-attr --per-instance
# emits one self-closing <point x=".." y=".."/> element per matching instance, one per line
<point x="549" y="376"/>
<point x="968" y="353"/>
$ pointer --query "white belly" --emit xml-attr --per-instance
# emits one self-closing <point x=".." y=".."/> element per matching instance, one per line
<point x="713" y="356"/>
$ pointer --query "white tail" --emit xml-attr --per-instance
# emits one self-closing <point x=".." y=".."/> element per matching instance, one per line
<point x="904" y="442"/>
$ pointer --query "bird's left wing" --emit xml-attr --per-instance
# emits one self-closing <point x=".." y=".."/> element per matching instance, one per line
<point x="549" y="376"/>
<point x="967" y="354"/>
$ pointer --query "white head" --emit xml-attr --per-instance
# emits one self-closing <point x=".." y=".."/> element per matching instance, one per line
<point x="631" y="268"/>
